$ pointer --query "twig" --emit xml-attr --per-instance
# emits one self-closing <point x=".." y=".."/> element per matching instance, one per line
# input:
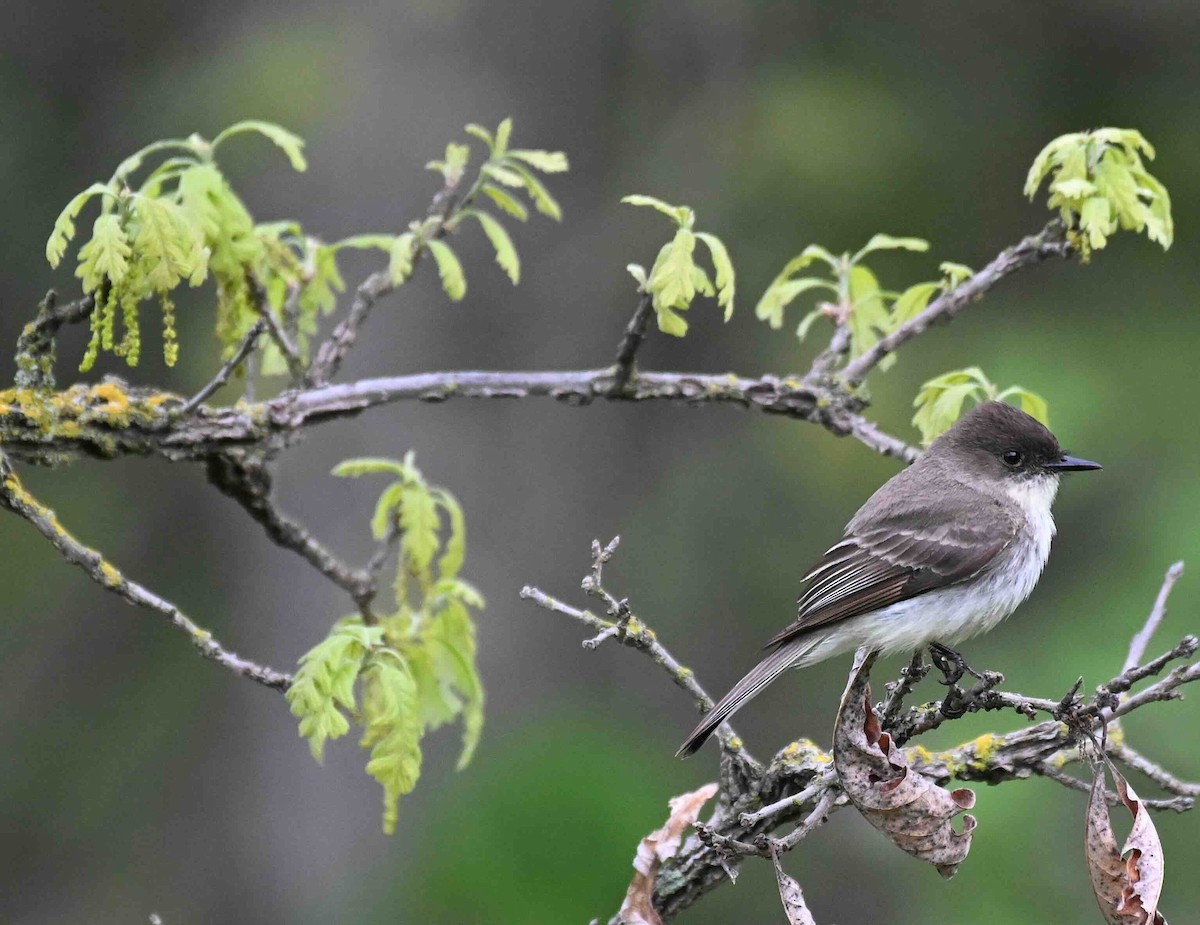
<point x="345" y="333"/>
<point x="1156" y="773"/>
<point x="812" y="821"/>
<point x="287" y="346"/>
<point x="35" y="346"/>
<point x="1050" y="242"/>
<point x="248" y="482"/>
<point x="1178" y="804"/>
<point x="15" y="498"/>
<point x="635" y="333"/>
<point x="630" y="631"/>
<point x="1137" y="646"/>
<point x="226" y="370"/>
<point x="819" y="785"/>
<point x="910" y="677"/>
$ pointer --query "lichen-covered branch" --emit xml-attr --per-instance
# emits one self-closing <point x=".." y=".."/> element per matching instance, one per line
<point x="799" y="788"/>
<point x="14" y="497"/>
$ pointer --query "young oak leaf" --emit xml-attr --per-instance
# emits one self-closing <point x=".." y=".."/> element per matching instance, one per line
<point x="1127" y="883"/>
<point x="659" y="846"/>
<point x="910" y="809"/>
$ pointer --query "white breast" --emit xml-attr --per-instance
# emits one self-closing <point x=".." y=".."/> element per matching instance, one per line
<point x="956" y="613"/>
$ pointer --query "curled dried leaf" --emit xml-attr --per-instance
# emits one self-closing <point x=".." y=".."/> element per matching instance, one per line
<point x="791" y="896"/>
<point x="907" y="807"/>
<point x="1127" y="883"/>
<point x="660" y="845"/>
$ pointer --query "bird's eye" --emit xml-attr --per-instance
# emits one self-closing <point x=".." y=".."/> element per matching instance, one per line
<point x="1013" y="458"/>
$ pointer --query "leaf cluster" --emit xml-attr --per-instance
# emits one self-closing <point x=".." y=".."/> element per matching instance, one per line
<point x="676" y="278"/>
<point x="1099" y="183"/>
<point x="852" y="292"/>
<point x="416" y="668"/>
<point x="940" y="401"/>
<point x="184" y="222"/>
<point x="181" y="223"/>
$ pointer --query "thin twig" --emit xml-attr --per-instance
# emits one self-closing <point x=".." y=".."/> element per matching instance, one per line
<point x="1177" y="804"/>
<point x="15" y="498"/>
<point x="35" y="346"/>
<point x="1156" y="773"/>
<point x="226" y="370"/>
<point x="628" y="630"/>
<point x="1140" y="641"/>
<point x="287" y="346"/>
<point x="635" y="333"/>
<point x="248" y="482"/>
<point x="1050" y="242"/>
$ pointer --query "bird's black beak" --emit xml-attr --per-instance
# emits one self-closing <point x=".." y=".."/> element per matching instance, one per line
<point x="1072" y="464"/>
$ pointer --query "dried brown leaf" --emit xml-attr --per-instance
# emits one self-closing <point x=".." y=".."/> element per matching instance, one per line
<point x="907" y="807"/>
<point x="791" y="896"/>
<point x="658" y="846"/>
<point x="1127" y="883"/>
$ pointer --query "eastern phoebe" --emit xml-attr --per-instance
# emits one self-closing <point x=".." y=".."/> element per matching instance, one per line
<point x="944" y="551"/>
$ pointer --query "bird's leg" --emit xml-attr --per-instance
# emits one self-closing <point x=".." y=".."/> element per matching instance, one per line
<point x="951" y="664"/>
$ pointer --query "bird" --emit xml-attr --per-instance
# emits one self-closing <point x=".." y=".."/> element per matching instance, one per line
<point x="943" y="551"/>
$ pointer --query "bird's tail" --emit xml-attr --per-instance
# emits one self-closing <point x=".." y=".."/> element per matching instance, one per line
<point x="759" y="677"/>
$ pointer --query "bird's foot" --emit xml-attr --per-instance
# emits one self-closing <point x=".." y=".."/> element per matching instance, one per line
<point x="951" y="664"/>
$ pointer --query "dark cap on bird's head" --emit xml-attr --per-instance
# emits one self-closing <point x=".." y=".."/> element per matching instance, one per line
<point x="997" y="436"/>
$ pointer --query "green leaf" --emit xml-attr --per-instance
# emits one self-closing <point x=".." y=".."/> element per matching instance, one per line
<point x="783" y="292"/>
<point x="482" y="134"/>
<point x="369" y="465"/>
<point x="912" y="301"/>
<point x="455" y="549"/>
<point x="64" y="225"/>
<point x="289" y="144"/>
<point x="386" y="510"/>
<point x="807" y="256"/>
<point x="868" y="313"/>
<point x="455" y="164"/>
<point x="669" y="322"/>
<point x="503" y="133"/>
<point x="542" y="200"/>
<point x="362" y="242"/>
<point x="955" y="273"/>
<point x="940" y="401"/>
<point x="680" y="215"/>
<point x="419" y="524"/>
<point x="401" y="257"/>
<point x="807" y="322"/>
<point x="638" y="272"/>
<point x="324" y="684"/>
<point x="671" y="279"/>
<point x="391" y="729"/>
<point x="506" y="252"/>
<point x="724" y="271"/>
<point x="452" y="646"/>
<point x="881" y="242"/>
<point x="449" y="268"/>
<point x="168" y="246"/>
<point x="105" y="256"/>
<point x="506" y="202"/>
<point x="545" y="161"/>
<point x="504" y="175"/>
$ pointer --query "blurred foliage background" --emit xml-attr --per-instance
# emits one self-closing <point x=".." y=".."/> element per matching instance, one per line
<point x="135" y="777"/>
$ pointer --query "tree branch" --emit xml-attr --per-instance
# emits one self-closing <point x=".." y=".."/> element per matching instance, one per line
<point x="1049" y="242"/>
<point x="635" y="333"/>
<point x="15" y="498"/>
<point x="800" y="784"/>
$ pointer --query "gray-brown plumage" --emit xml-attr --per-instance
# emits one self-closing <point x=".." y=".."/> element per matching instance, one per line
<point x="972" y="513"/>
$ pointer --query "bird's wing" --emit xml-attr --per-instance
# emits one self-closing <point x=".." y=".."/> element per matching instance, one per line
<point x="887" y="562"/>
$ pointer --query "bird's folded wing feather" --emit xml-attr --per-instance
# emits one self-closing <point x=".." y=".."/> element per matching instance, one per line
<point x="893" y="559"/>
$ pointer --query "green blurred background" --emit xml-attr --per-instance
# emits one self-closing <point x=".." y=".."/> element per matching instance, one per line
<point x="135" y="777"/>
